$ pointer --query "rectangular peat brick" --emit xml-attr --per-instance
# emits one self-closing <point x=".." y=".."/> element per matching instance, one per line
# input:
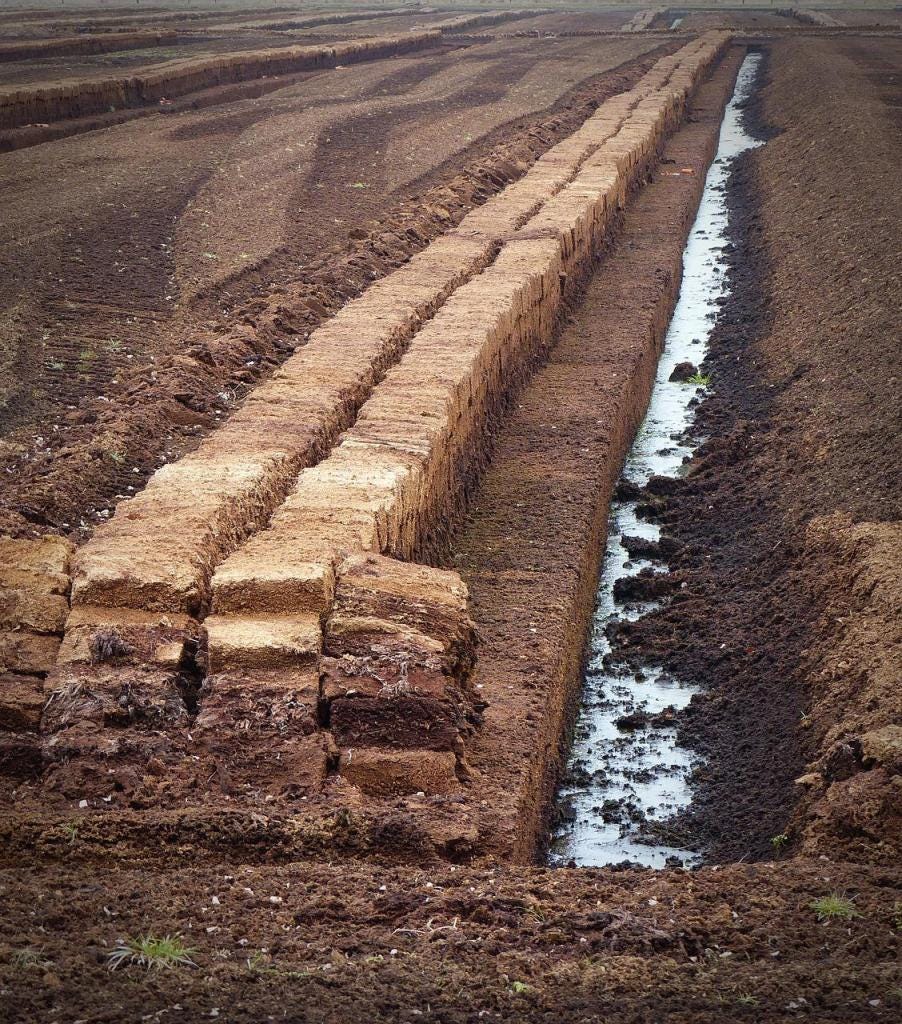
<point x="34" y="583"/>
<point x="262" y="642"/>
<point x="24" y="651"/>
<point x="21" y="703"/>
<point x="387" y="773"/>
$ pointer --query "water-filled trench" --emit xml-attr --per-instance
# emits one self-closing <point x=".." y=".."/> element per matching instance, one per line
<point x="626" y="771"/>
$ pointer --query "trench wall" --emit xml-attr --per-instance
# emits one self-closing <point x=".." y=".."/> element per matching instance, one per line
<point x="106" y="42"/>
<point x="316" y="600"/>
<point x="313" y="21"/>
<point x="44" y="104"/>
<point x="34" y="605"/>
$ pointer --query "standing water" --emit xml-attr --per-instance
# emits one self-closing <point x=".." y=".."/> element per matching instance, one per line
<point x="626" y="771"/>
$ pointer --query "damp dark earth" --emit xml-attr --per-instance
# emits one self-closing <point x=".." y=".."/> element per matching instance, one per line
<point x="627" y="774"/>
<point x="449" y="512"/>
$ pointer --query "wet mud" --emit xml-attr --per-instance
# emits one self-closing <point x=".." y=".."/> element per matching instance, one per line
<point x="627" y="774"/>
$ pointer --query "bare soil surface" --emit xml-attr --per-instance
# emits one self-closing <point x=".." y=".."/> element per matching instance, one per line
<point x="336" y="943"/>
<point x="157" y="234"/>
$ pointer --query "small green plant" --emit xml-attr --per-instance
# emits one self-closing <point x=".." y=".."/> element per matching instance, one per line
<point x="148" y="951"/>
<point x="70" y="832"/>
<point x="28" y="958"/>
<point x="702" y="380"/>
<point x="744" y="999"/>
<point x="834" y="907"/>
<point x="779" y="842"/>
<point x="259" y="965"/>
<point x="519" y="987"/>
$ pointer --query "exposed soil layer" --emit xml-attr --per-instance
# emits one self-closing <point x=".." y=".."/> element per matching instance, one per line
<point x="385" y="156"/>
<point x="329" y="944"/>
<point x="784" y="613"/>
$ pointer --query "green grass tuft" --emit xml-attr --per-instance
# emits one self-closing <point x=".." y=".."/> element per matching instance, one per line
<point x="148" y="951"/>
<point x="28" y="958"/>
<point x="834" y="907"/>
<point x="778" y="842"/>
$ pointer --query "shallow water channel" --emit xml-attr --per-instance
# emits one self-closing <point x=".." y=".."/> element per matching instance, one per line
<point x="626" y="771"/>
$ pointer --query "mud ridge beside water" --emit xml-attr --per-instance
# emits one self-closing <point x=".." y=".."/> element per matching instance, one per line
<point x="724" y="631"/>
<point x="629" y="773"/>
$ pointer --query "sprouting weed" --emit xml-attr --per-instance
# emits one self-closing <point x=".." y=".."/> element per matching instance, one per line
<point x="28" y="958"/>
<point x="70" y="831"/>
<point x="148" y="951"/>
<point x="834" y="907"/>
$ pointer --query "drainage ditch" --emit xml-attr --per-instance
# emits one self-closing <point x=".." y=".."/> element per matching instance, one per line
<point x="626" y="774"/>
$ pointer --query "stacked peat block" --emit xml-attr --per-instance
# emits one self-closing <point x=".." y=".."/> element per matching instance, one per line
<point x="406" y="461"/>
<point x="398" y="650"/>
<point x="150" y="567"/>
<point x="809" y="16"/>
<point x="314" y="21"/>
<point x="421" y="361"/>
<point x="34" y="603"/>
<point x="465" y="22"/>
<point x="159" y="550"/>
<point x="24" y="106"/>
<point x="104" y="42"/>
<point x="643" y="20"/>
